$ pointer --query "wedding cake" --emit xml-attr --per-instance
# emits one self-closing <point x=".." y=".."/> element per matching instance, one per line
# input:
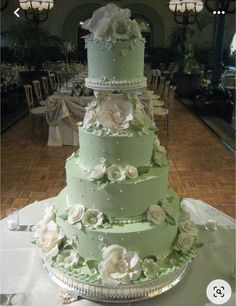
<point x="117" y="223"/>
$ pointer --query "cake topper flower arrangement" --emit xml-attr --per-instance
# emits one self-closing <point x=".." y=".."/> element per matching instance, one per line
<point x="112" y="23"/>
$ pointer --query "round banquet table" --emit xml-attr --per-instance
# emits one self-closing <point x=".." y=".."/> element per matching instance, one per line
<point x="22" y="269"/>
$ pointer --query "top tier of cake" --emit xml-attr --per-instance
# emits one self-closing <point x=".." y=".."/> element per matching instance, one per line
<point x="117" y="67"/>
<point x="115" y="50"/>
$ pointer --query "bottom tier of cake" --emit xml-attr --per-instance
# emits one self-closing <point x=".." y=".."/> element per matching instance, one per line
<point x="81" y="243"/>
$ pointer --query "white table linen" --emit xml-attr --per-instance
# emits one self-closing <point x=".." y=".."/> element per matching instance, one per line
<point x="22" y="270"/>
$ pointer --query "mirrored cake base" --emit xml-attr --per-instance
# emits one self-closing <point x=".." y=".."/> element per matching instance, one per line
<point x="117" y="294"/>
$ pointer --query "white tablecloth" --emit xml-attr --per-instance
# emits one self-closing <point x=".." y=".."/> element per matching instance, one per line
<point x="22" y="270"/>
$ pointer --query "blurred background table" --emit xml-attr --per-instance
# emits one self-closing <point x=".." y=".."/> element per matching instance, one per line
<point x="63" y="112"/>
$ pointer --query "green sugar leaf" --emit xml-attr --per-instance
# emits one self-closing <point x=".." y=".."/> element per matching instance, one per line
<point x="101" y="184"/>
<point x="63" y="216"/>
<point x="143" y="169"/>
<point x="197" y="245"/>
<point x="170" y="220"/>
<point x="92" y="264"/>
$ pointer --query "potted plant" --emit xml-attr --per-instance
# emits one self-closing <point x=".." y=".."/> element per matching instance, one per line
<point x="188" y="77"/>
<point x="67" y="50"/>
<point x="30" y="43"/>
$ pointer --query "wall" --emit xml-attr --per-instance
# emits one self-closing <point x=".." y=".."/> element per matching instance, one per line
<point x="157" y="11"/>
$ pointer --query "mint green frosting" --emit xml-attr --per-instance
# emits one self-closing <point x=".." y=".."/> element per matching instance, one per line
<point x="135" y="150"/>
<point x="122" y="60"/>
<point x="144" y="237"/>
<point x="128" y="198"/>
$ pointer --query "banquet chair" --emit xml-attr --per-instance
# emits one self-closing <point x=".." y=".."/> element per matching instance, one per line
<point x="171" y="97"/>
<point x="52" y="82"/>
<point x="166" y="91"/>
<point x="161" y="113"/>
<point x="38" y="92"/>
<point x="162" y="67"/>
<point x="155" y="79"/>
<point x="45" y="86"/>
<point x="34" y="112"/>
<point x="161" y="87"/>
<point x="59" y="80"/>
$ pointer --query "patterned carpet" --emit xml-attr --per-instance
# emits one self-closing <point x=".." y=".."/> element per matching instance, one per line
<point x="201" y="167"/>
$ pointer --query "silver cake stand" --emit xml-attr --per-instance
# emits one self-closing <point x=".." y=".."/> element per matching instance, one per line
<point x="118" y="294"/>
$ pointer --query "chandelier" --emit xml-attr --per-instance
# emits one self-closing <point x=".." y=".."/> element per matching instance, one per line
<point x="185" y="11"/>
<point x="36" y="10"/>
<point x="220" y="7"/>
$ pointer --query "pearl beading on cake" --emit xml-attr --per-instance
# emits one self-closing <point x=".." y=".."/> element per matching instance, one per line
<point x="129" y="220"/>
<point x="115" y="85"/>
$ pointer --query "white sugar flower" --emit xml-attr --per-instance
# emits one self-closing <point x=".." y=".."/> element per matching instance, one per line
<point x="188" y="227"/>
<point x="67" y="259"/>
<point x="119" y="265"/>
<point x="48" y="237"/>
<point x="121" y="29"/>
<point x="156" y="214"/>
<point x="184" y="215"/>
<point x="115" y="173"/>
<point x="150" y="268"/>
<point x="92" y="218"/>
<point x="98" y="171"/>
<point x="49" y="213"/>
<point x="135" y="29"/>
<point x="75" y="213"/>
<point x="89" y="119"/>
<point x="158" y="147"/>
<point x="111" y="23"/>
<point x="184" y="242"/>
<point x="141" y="119"/>
<point x="100" y="18"/>
<point x="115" y="115"/>
<point x="160" y="159"/>
<point x="131" y="172"/>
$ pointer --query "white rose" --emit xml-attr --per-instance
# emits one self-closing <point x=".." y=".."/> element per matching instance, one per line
<point x="48" y="237"/>
<point x="98" y="24"/>
<point x="115" y="115"/>
<point x="119" y="266"/>
<point x="121" y="29"/>
<point x="131" y="172"/>
<point x="184" y="242"/>
<point x="188" y="227"/>
<point x="98" y="171"/>
<point x="115" y="173"/>
<point x="156" y="214"/>
<point x="110" y="23"/>
<point x="92" y="218"/>
<point x="89" y="119"/>
<point x="75" y="213"/>
<point x="67" y="259"/>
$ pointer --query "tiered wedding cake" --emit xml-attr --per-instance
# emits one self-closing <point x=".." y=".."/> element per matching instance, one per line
<point x="117" y="222"/>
